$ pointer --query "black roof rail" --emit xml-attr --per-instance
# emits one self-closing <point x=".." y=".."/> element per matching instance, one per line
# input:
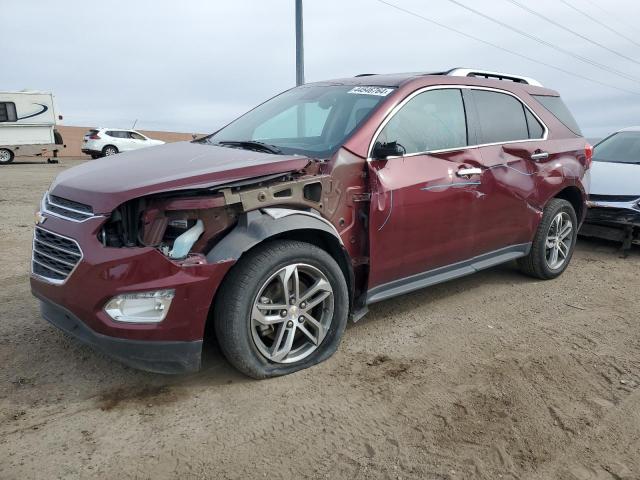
<point x="365" y="75"/>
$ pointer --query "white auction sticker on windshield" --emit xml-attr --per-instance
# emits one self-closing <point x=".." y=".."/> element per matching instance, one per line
<point x="377" y="91"/>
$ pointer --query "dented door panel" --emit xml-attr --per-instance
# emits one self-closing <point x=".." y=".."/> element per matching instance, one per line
<point x="422" y="213"/>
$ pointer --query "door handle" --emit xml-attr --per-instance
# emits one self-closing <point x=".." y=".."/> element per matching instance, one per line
<point x="539" y="156"/>
<point x="467" y="172"/>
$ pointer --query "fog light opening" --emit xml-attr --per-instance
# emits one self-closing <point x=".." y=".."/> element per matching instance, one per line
<point x="141" y="307"/>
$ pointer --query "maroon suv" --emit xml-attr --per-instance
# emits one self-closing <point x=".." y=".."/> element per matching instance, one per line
<point x="276" y="229"/>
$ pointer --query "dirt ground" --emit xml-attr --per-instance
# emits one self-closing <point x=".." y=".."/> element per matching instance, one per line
<point x="494" y="376"/>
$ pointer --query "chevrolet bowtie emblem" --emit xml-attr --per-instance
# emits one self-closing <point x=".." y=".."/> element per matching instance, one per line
<point x="40" y="219"/>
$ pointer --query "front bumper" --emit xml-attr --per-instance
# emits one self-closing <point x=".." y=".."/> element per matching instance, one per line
<point x="159" y="357"/>
<point x="612" y="222"/>
<point x="103" y="273"/>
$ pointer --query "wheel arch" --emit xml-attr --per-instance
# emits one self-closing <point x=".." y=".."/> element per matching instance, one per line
<point x="575" y="197"/>
<point x="256" y="227"/>
<point x="110" y="145"/>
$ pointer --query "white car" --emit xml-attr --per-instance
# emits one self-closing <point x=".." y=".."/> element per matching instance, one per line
<point x="614" y="200"/>
<point x="103" y="142"/>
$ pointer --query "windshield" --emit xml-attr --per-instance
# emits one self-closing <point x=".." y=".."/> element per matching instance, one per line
<point x="622" y="147"/>
<point x="309" y="120"/>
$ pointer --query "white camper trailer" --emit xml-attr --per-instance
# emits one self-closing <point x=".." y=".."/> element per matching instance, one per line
<point x="27" y="125"/>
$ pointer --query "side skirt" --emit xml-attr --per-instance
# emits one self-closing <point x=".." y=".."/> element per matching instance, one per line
<point x="444" y="274"/>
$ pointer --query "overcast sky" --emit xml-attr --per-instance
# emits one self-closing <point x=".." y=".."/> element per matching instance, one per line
<point x="193" y="66"/>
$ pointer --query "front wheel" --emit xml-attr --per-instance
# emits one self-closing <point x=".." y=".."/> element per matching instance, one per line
<point x="281" y="309"/>
<point x="554" y="242"/>
<point x="6" y="156"/>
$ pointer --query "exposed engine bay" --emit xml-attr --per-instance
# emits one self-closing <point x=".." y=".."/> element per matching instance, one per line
<point x="189" y="223"/>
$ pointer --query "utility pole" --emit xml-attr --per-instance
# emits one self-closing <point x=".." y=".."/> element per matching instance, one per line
<point x="299" y="45"/>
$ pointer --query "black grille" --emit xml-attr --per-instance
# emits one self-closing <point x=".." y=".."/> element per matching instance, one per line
<point x="54" y="256"/>
<point x="63" y="207"/>
<point x="613" y="198"/>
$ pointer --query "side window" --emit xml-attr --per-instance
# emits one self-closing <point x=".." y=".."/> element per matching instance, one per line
<point x="136" y="136"/>
<point x="8" y="112"/>
<point x="112" y="134"/>
<point x="501" y="116"/>
<point x="536" y="130"/>
<point x="433" y="120"/>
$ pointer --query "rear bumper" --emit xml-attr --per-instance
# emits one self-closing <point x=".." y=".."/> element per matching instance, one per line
<point x="153" y="356"/>
<point x="90" y="151"/>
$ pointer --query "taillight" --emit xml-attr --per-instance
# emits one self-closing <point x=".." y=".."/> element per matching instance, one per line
<point x="95" y="136"/>
<point x="588" y="153"/>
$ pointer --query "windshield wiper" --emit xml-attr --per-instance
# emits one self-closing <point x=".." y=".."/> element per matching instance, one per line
<point x="252" y="145"/>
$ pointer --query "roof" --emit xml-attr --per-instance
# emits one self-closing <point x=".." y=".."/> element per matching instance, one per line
<point x="630" y="129"/>
<point x="461" y="76"/>
<point x="24" y="92"/>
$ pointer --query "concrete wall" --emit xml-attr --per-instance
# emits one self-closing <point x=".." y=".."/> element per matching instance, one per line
<point x="72" y="137"/>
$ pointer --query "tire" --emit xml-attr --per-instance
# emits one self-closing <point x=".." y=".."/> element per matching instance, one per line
<point x="109" y="150"/>
<point x="6" y="156"/>
<point x="95" y="157"/>
<point x="540" y="261"/>
<point x="57" y="136"/>
<point x="256" y="281"/>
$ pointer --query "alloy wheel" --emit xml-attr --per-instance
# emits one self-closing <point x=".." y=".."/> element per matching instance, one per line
<point x="5" y="155"/>
<point x="559" y="241"/>
<point x="292" y="313"/>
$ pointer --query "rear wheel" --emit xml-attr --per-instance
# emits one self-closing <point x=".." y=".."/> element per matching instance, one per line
<point x="6" y="156"/>
<point x="554" y="242"/>
<point x="109" y="150"/>
<point x="282" y="308"/>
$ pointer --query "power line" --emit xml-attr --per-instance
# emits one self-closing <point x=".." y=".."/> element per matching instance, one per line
<point x="578" y="34"/>
<point x="615" y="17"/>
<point x="546" y="43"/>
<point x="599" y="22"/>
<point x="512" y="52"/>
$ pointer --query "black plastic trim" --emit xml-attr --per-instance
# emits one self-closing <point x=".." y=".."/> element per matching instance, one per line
<point x="153" y="356"/>
<point x="444" y="274"/>
<point x="253" y="227"/>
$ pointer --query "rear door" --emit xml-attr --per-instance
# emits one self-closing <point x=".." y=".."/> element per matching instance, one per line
<point x="423" y="204"/>
<point x="512" y="142"/>
<point x="124" y="141"/>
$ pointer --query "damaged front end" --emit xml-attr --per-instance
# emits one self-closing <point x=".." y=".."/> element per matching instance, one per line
<point x="185" y="225"/>
<point x="613" y="218"/>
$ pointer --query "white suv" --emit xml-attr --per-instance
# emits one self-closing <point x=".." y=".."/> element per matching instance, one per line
<point x="109" y="141"/>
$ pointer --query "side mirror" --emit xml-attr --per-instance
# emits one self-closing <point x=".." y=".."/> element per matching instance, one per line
<point x="381" y="151"/>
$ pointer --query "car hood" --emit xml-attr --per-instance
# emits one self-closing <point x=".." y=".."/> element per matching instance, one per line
<point x="608" y="178"/>
<point x="108" y="182"/>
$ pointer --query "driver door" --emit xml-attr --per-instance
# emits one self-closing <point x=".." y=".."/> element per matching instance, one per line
<point x="424" y="199"/>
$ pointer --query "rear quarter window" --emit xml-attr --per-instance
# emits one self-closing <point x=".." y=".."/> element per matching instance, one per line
<point x="556" y="106"/>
